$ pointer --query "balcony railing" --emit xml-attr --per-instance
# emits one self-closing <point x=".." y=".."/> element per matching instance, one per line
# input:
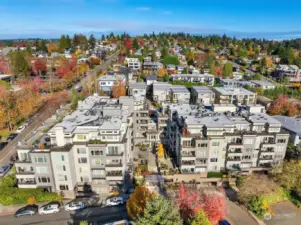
<point x="190" y="162"/>
<point x="233" y="159"/>
<point x="27" y="182"/>
<point x="25" y="172"/>
<point x="188" y="154"/>
<point x="114" y="165"/>
<point x="235" y="151"/>
<point x="115" y="154"/>
<point x="114" y="173"/>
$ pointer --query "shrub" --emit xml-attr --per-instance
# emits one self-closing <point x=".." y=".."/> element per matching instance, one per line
<point x="259" y="206"/>
<point x="31" y="200"/>
<point x="14" y="196"/>
<point x="214" y="175"/>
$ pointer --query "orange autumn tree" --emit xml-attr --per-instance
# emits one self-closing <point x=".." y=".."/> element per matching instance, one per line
<point x="281" y="106"/>
<point x="161" y="72"/>
<point x="137" y="203"/>
<point x="118" y="90"/>
<point x="160" y="151"/>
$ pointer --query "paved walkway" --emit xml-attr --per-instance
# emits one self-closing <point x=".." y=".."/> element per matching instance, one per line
<point x="238" y="216"/>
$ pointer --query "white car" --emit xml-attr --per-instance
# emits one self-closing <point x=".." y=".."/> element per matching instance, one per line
<point x="49" y="209"/>
<point x="20" y="129"/>
<point x="71" y="206"/>
<point x="114" y="201"/>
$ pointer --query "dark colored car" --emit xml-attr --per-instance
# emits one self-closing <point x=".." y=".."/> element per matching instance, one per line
<point x="11" y="137"/>
<point x="28" y="210"/>
<point x="224" y="222"/>
<point x="2" y="145"/>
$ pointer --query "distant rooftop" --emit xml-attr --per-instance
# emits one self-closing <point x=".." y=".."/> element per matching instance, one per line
<point x="233" y="91"/>
<point x="202" y="89"/>
<point x="263" y="118"/>
<point x="179" y="89"/>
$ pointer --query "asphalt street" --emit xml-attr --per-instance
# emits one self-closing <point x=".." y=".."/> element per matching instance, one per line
<point x="97" y="215"/>
<point x="42" y="115"/>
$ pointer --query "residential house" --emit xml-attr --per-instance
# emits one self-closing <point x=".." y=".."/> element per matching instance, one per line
<point x="107" y="82"/>
<point x="263" y="84"/>
<point x="133" y="63"/>
<point x="207" y="79"/>
<point x="236" y="96"/>
<point x="179" y="94"/>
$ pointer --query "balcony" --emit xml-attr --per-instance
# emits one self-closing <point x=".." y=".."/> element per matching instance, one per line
<point x="27" y="183"/>
<point x="236" y="150"/>
<point x="97" y="167"/>
<point x="230" y="159"/>
<point x="114" y="165"/>
<point x="269" y="149"/>
<point x="114" y="174"/>
<point x="97" y="176"/>
<point x="188" y="154"/>
<point x="188" y="163"/>
<point x="201" y="162"/>
<point x="265" y="157"/>
<point x="115" y="154"/>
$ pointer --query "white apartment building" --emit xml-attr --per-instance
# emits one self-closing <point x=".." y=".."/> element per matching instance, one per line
<point x="179" y="94"/>
<point x="204" y="141"/>
<point x="237" y="96"/>
<point x="133" y="63"/>
<point x="89" y="147"/>
<point x="194" y="78"/>
<point x="202" y="95"/>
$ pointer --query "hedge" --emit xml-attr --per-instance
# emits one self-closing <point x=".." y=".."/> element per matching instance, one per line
<point x="14" y="196"/>
<point x="214" y="175"/>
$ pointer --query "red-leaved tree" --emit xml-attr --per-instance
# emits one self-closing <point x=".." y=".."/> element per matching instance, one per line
<point x="128" y="43"/>
<point x="39" y="66"/>
<point x="213" y="203"/>
<point x="4" y="66"/>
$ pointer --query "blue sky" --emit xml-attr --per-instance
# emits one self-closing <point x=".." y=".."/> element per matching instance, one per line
<point x="242" y="18"/>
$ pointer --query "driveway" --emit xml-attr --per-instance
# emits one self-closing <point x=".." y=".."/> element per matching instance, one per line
<point x="285" y="213"/>
<point x="237" y="216"/>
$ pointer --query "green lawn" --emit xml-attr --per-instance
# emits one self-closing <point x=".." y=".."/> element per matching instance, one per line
<point x="4" y="133"/>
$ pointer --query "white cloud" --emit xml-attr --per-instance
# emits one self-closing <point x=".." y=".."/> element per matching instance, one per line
<point x="143" y="8"/>
<point x="167" y="12"/>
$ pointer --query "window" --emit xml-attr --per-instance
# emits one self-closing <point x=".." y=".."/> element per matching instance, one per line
<point x="99" y="181"/>
<point x="96" y="152"/>
<point x="62" y="177"/>
<point x="61" y="168"/>
<point x="44" y="179"/>
<point x="64" y="187"/>
<point x="40" y="159"/>
<point x="82" y="160"/>
<point x="97" y="162"/>
<point x="215" y="143"/>
<point x="213" y="160"/>
<point x="60" y="158"/>
<point x="81" y="151"/>
<point x="281" y="141"/>
<point x="112" y="150"/>
<point x="204" y="145"/>
<point x="42" y="169"/>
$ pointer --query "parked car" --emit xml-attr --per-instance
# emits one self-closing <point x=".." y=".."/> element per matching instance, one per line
<point x="114" y="201"/>
<point x="28" y="210"/>
<point x="52" y="207"/>
<point x="20" y="129"/>
<point x="71" y="206"/>
<point x="4" y="170"/>
<point x="2" y="145"/>
<point x="11" y="137"/>
<point x="224" y="222"/>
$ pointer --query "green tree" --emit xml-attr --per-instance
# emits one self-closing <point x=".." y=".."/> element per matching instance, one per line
<point x="63" y="42"/>
<point x="242" y="52"/>
<point x="290" y="56"/>
<point x="293" y="152"/>
<point x="42" y="46"/>
<point x="68" y="42"/>
<point x="154" y="56"/>
<point x="135" y="44"/>
<point x="227" y="70"/>
<point x="160" y="211"/>
<point x="127" y="52"/>
<point x="171" y="60"/>
<point x="103" y="37"/>
<point x="92" y="41"/>
<point x="9" y="181"/>
<point x="288" y="175"/>
<point x="19" y="63"/>
<point x="200" y="219"/>
<point x="164" y="52"/>
<point x="28" y="47"/>
<point x="5" y="84"/>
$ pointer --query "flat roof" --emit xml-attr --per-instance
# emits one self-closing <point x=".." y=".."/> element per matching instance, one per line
<point x="179" y="89"/>
<point x="161" y="86"/>
<point x="233" y="91"/>
<point x="192" y="75"/>
<point x="263" y="118"/>
<point x="263" y="83"/>
<point x="140" y="85"/>
<point x="289" y="123"/>
<point x="210" y="121"/>
<point x="202" y="89"/>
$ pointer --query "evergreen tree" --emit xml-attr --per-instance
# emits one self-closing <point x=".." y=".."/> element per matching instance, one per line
<point x="19" y="63"/>
<point x="92" y="41"/>
<point x="63" y="42"/>
<point x="103" y="37"/>
<point x="42" y="46"/>
<point x="135" y="44"/>
<point x="164" y="52"/>
<point x="227" y="70"/>
<point x="160" y="211"/>
<point x="68" y="42"/>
